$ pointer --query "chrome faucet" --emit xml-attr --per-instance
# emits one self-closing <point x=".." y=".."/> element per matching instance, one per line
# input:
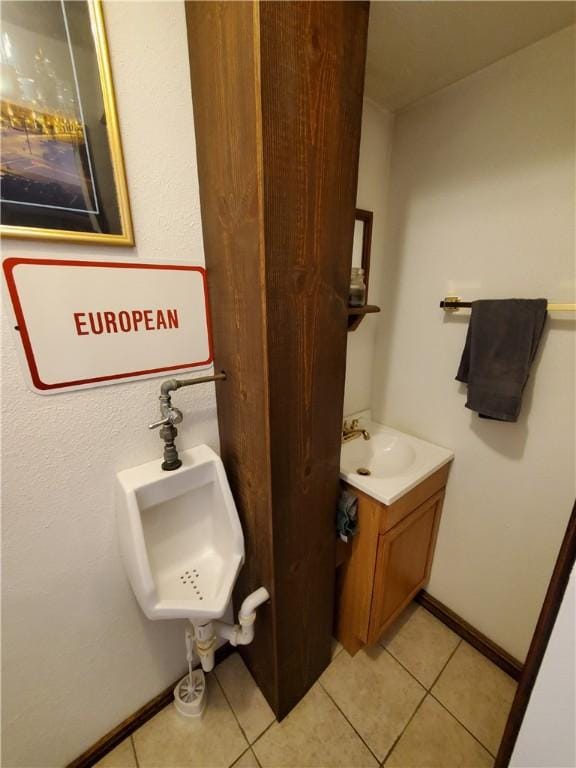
<point x="352" y="431"/>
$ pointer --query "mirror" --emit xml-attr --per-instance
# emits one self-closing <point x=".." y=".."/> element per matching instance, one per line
<point x="358" y="242"/>
<point x="362" y="242"/>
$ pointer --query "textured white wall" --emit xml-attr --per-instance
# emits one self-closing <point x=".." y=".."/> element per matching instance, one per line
<point x="372" y="195"/>
<point x="78" y="655"/>
<point x="482" y="206"/>
<point x="547" y="735"/>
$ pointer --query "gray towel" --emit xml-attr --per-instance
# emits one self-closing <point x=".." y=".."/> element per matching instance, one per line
<point x="347" y="515"/>
<point x="503" y="336"/>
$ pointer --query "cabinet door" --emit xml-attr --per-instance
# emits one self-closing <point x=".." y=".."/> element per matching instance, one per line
<point x="403" y="563"/>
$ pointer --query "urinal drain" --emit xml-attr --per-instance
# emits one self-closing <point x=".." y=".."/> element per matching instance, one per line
<point x="191" y="577"/>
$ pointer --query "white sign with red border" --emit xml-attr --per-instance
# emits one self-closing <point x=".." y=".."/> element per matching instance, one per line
<point x="88" y="323"/>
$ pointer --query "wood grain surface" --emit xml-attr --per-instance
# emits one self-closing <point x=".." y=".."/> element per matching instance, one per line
<point x="277" y="93"/>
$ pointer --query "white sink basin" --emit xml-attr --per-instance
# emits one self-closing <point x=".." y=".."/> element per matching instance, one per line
<point x="391" y="463"/>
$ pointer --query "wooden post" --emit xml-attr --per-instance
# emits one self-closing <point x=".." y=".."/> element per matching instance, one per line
<point x="277" y="93"/>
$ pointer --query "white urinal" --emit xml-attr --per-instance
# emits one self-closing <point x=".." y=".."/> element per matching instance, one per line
<point x="180" y="536"/>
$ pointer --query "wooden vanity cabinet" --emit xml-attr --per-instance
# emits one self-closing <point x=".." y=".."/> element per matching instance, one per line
<point x="389" y="562"/>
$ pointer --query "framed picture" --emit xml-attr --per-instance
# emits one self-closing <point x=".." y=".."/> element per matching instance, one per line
<point x="62" y="173"/>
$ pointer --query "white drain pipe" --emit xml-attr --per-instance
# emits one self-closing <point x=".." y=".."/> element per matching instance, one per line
<point x="205" y="645"/>
<point x="236" y="634"/>
<point x="243" y="632"/>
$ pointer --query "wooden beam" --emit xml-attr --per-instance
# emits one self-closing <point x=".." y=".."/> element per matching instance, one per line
<point x="224" y="59"/>
<point x="277" y="91"/>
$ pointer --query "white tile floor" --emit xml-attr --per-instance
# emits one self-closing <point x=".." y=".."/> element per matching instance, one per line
<point x="423" y="698"/>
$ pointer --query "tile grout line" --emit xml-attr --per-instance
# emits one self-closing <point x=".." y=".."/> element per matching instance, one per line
<point x="246" y="739"/>
<point x="338" y="652"/>
<point x="412" y="675"/>
<point x="460" y="641"/>
<point x="374" y="755"/>
<point x="429" y="692"/>
<point x="412" y="716"/>
<point x="258" y="763"/>
<point x="242" y="755"/>
<point x="438" y="676"/>
<point x="250" y="743"/>
<point x="133" y="744"/>
<point x="446" y="708"/>
<point x="259" y="737"/>
<point x="426" y="692"/>
<point x="476" y="739"/>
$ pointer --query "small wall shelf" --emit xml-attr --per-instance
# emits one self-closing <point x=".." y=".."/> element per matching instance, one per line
<point x="361" y="257"/>
<point x="356" y="315"/>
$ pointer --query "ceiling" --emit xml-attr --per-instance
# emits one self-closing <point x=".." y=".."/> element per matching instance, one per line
<point x="417" y="47"/>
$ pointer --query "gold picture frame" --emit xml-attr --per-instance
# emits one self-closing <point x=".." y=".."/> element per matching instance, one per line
<point x="115" y="159"/>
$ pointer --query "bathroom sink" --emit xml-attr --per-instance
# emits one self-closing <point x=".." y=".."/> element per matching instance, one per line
<point x="384" y="455"/>
<point x="391" y="463"/>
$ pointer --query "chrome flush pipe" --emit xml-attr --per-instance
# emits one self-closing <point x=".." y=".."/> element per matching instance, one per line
<point x="172" y="416"/>
<point x="171" y="385"/>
